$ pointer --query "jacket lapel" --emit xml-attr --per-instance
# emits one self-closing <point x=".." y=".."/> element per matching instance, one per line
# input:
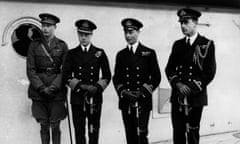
<point x="138" y="53"/>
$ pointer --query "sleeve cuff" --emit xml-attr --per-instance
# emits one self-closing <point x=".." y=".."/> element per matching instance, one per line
<point x="120" y="88"/>
<point x="146" y="90"/>
<point x="173" y="80"/>
<point x="103" y="83"/>
<point x="99" y="88"/>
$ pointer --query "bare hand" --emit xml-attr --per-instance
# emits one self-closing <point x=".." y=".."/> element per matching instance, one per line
<point x="184" y="89"/>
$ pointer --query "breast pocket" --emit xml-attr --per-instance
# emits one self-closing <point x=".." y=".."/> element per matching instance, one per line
<point x="57" y="52"/>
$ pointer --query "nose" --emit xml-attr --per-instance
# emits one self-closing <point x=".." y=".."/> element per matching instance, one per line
<point x="44" y="28"/>
<point x="127" y="35"/>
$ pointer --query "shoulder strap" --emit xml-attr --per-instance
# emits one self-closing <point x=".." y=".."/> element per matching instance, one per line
<point x="47" y="54"/>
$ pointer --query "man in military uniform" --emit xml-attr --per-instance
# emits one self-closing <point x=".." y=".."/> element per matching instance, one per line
<point x="44" y="62"/>
<point x="136" y="76"/>
<point x="81" y="72"/>
<point x="190" y="68"/>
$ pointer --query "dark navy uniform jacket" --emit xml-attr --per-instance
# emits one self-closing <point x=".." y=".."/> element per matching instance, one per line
<point x="41" y="71"/>
<point x="134" y="71"/>
<point x="194" y="66"/>
<point x="86" y="66"/>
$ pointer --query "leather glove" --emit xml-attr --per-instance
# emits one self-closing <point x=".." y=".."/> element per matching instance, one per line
<point x="138" y="94"/>
<point x="73" y="83"/>
<point x="53" y="88"/>
<point x="92" y="90"/>
<point x="130" y="95"/>
<point x="84" y="87"/>
<point x="46" y="92"/>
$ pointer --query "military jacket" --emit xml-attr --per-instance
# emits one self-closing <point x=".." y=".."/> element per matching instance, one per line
<point x="86" y="67"/>
<point x="41" y="71"/>
<point x="133" y="71"/>
<point x="194" y="66"/>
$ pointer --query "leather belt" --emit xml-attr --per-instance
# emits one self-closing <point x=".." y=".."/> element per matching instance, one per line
<point x="49" y="70"/>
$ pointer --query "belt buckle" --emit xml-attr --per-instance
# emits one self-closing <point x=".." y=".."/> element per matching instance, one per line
<point x="48" y="70"/>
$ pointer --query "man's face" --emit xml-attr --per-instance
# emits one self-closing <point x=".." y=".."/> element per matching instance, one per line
<point x="188" y="26"/>
<point x="48" y="30"/>
<point x="131" y="35"/>
<point x="84" y="38"/>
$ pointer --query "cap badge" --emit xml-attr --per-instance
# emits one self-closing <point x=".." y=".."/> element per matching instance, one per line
<point x="85" y="24"/>
<point x="45" y="18"/>
<point x="182" y="13"/>
<point x="128" y="23"/>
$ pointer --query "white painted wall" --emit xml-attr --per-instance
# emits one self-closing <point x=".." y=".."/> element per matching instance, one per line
<point x="160" y="31"/>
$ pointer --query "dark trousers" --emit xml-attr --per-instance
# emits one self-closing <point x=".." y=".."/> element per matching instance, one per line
<point x="179" y="124"/>
<point x="45" y="132"/>
<point x="79" y="121"/>
<point x="131" y="123"/>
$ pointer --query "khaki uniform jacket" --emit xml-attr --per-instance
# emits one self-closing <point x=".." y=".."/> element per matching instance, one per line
<point x="38" y="64"/>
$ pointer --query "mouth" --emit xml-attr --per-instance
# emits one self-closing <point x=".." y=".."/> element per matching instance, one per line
<point x="184" y="30"/>
<point x="128" y="39"/>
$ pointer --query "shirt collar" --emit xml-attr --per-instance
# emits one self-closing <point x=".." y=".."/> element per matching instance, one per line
<point x="192" y="38"/>
<point x="134" y="46"/>
<point x="88" y="47"/>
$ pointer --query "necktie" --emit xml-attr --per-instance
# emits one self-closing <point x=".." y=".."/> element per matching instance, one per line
<point x="188" y="42"/>
<point x="131" y="50"/>
<point x="85" y="49"/>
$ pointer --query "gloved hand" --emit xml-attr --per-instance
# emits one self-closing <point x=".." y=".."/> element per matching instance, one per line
<point x="46" y="92"/>
<point x="137" y="93"/>
<point x="130" y="95"/>
<point x="73" y="83"/>
<point x="92" y="90"/>
<point x="84" y="87"/>
<point x="53" y="88"/>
